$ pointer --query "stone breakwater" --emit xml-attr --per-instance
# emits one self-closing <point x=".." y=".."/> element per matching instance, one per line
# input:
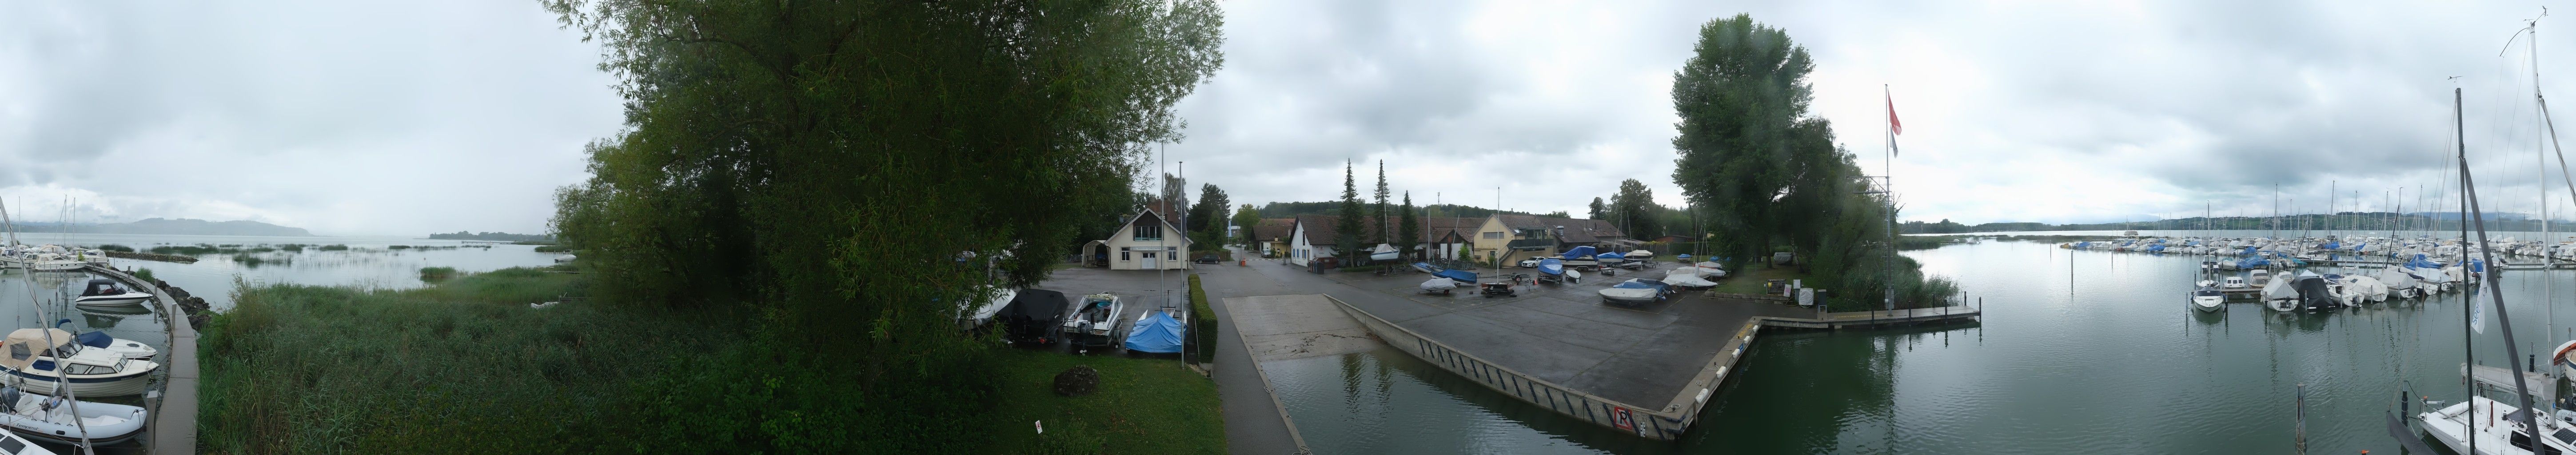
<point x="198" y="312"/>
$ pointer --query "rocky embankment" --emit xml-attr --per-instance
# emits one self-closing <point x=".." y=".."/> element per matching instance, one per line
<point x="198" y="312"/>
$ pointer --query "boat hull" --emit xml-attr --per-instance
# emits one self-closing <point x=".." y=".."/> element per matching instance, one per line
<point x="117" y="386"/>
<point x="118" y="300"/>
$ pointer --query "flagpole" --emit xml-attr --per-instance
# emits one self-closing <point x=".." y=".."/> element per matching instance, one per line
<point x="1888" y="180"/>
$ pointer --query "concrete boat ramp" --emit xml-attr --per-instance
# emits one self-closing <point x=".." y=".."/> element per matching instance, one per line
<point x="1644" y="370"/>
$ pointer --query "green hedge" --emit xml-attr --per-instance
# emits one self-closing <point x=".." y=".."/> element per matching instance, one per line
<point x="1203" y="322"/>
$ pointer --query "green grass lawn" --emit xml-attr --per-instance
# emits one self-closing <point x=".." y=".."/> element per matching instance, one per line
<point x="1749" y="280"/>
<point x="1143" y="406"/>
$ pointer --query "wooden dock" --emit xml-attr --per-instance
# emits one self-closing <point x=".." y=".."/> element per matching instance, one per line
<point x="1865" y="319"/>
<point x="171" y="427"/>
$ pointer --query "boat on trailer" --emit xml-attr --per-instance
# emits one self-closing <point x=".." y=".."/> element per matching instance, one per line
<point x="1095" y="321"/>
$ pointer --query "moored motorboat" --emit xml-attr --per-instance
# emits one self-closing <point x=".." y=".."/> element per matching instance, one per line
<point x="1640" y="255"/>
<point x="2233" y="282"/>
<point x="34" y="366"/>
<point x="2208" y="299"/>
<point x="51" y="418"/>
<point x="105" y="292"/>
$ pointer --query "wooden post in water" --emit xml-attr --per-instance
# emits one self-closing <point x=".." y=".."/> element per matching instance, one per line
<point x="2303" y="417"/>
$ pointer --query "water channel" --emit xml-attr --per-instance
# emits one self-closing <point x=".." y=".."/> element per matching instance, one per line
<point x="2078" y="352"/>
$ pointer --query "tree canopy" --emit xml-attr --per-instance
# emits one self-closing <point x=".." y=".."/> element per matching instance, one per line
<point x="850" y="170"/>
<point x="1766" y="173"/>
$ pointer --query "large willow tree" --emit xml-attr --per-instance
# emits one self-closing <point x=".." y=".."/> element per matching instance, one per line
<point x="1768" y="172"/>
<point x="850" y="170"/>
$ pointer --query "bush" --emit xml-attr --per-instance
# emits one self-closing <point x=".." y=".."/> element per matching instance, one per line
<point x="145" y="274"/>
<point x="116" y="247"/>
<point x="550" y="248"/>
<point x="436" y="274"/>
<point x="1202" y="322"/>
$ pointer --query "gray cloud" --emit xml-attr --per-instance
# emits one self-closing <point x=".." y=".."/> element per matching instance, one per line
<point x="346" y="118"/>
<point x="2015" y="112"/>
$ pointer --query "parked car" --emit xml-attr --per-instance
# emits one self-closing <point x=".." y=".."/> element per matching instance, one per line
<point x="1205" y="259"/>
<point x="1529" y="263"/>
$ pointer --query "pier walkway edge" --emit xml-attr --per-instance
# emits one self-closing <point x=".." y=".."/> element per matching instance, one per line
<point x="1666" y="423"/>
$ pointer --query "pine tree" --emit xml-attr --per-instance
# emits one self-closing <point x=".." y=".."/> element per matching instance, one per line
<point x="1348" y="239"/>
<point x="1409" y="230"/>
<point x="1378" y="235"/>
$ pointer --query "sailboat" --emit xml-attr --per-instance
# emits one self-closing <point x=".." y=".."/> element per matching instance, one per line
<point x="2506" y="429"/>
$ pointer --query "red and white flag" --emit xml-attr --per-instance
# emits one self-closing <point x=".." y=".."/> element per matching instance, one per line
<point x="1893" y="127"/>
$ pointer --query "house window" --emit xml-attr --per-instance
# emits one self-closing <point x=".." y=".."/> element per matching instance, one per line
<point x="1123" y="252"/>
<point x="1495" y="235"/>
<point x="1146" y="233"/>
<point x="1174" y="250"/>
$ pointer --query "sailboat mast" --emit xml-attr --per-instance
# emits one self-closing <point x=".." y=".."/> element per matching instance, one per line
<point x="2495" y="290"/>
<point x="2468" y="303"/>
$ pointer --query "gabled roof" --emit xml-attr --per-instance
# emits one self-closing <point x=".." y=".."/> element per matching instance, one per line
<point x="1170" y="231"/>
<point x="1272" y="229"/>
<point x="1577" y="230"/>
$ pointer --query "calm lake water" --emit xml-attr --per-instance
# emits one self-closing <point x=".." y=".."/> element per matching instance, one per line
<point x="368" y="263"/>
<point x="2090" y="352"/>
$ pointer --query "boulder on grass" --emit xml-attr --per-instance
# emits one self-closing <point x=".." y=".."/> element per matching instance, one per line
<point x="1077" y="381"/>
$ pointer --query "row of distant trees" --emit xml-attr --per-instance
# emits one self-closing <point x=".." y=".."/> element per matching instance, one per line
<point x="2348" y="221"/>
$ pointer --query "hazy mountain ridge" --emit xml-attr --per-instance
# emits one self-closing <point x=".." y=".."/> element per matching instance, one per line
<point x="181" y="226"/>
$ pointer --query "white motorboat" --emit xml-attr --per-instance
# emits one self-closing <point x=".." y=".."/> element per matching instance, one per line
<point x="978" y="315"/>
<point x="2259" y="277"/>
<point x="1440" y="285"/>
<point x="1095" y="320"/>
<point x="13" y="444"/>
<point x="98" y="257"/>
<point x="1635" y="291"/>
<point x="2279" y="295"/>
<point x="1714" y="269"/>
<point x="1640" y="255"/>
<point x="1688" y="278"/>
<point x="31" y="365"/>
<point x="2233" y="282"/>
<point x="50" y="418"/>
<point x="2208" y="299"/>
<point x="105" y="292"/>
<point x="122" y="347"/>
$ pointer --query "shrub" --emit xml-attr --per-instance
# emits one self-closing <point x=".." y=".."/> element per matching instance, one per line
<point x="1202" y="322"/>
<point x="436" y="274"/>
<point x="115" y="247"/>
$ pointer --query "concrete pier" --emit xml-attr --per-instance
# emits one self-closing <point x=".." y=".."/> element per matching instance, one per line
<point x="172" y="426"/>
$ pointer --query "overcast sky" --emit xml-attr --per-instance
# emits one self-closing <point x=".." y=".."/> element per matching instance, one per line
<point x="372" y="118"/>
<point x="2013" y="111"/>
<point x="341" y="117"/>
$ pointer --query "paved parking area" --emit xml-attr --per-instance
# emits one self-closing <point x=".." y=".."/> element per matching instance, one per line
<point x="1563" y="334"/>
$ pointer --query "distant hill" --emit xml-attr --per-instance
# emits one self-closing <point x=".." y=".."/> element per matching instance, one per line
<point x="182" y="226"/>
<point x="493" y="236"/>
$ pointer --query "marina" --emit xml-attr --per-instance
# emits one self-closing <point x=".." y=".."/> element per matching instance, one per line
<point x="2115" y="320"/>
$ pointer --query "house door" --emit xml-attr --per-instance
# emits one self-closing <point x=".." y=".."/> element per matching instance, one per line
<point x="1150" y="262"/>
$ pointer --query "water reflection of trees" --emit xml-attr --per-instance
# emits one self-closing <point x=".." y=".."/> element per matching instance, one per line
<point x="1810" y="392"/>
